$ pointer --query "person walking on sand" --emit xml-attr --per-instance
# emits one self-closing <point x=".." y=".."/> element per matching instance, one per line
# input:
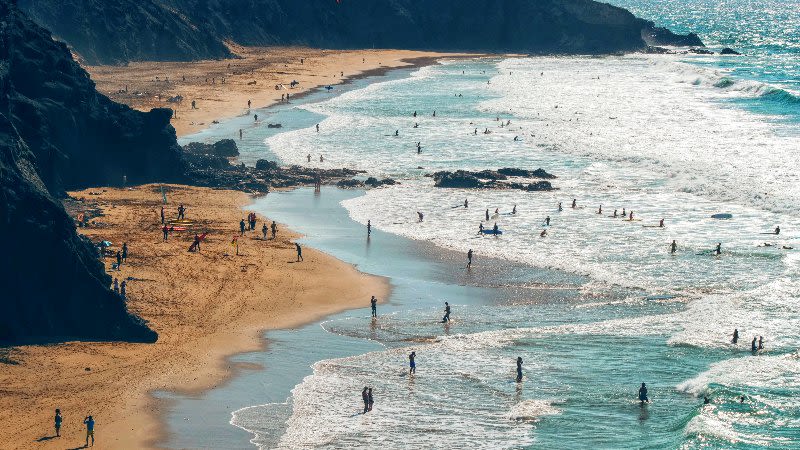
<point x="373" y="303"/>
<point x="370" y="399"/>
<point x="446" y="317"/>
<point x="365" y="398"/>
<point x="369" y="228"/>
<point x="519" y="369"/>
<point x="412" y="365"/>
<point x="274" y="227"/>
<point x="299" y="252"/>
<point x="57" y="422"/>
<point x="125" y="252"/>
<point x="264" y="230"/>
<point x="165" y="229"/>
<point x="241" y="227"/>
<point x="643" y="395"/>
<point x="119" y="260"/>
<point x="469" y="259"/>
<point x="89" y="422"/>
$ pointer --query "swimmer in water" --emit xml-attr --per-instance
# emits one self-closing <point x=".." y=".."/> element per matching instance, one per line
<point x="673" y="246"/>
<point x="543" y="233"/>
<point x="735" y="339"/>
<point x="753" y="347"/>
<point x="416" y="125"/>
<point x="519" y="369"/>
<point x="600" y="210"/>
<point x="623" y="213"/>
<point x="487" y="213"/>
<point x="574" y="203"/>
<point x="420" y="216"/>
<point x="559" y="207"/>
<point x="476" y="131"/>
<point x="718" y="250"/>
<point x="643" y="395"/>
<point x="466" y="203"/>
<point x="514" y="209"/>
<point x="631" y="216"/>
<point x="615" y="213"/>
<point x="661" y="223"/>
<point x="397" y="133"/>
<point x="777" y="230"/>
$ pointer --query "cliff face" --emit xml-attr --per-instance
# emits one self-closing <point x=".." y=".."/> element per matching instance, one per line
<point x="114" y="32"/>
<point x="57" y="133"/>
<point x="524" y="26"/>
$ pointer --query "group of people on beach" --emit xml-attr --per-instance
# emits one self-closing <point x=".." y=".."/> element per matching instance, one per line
<point x="88" y="422"/>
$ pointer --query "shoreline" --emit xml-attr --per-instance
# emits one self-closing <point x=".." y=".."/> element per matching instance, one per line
<point x="252" y="76"/>
<point x="119" y="386"/>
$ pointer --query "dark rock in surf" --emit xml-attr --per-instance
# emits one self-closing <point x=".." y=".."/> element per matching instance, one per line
<point x="225" y="148"/>
<point x="538" y="173"/>
<point x="729" y="51"/>
<point x="264" y="164"/>
<point x="655" y="36"/>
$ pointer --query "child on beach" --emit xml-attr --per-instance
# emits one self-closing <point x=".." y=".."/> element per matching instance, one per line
<point x="57" y="422"/>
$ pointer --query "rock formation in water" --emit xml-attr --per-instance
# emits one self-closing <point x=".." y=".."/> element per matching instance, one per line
<point x="58" y="133"/>
<point x="115" y="31"/>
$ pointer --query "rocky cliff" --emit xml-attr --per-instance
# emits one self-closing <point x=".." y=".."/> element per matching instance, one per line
<point x="113" y="31"/>
<point x="57" y="133"/>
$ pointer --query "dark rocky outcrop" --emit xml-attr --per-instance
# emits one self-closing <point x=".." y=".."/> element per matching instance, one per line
<point x="58" y="133"/>
<point x="656" y="36"/>
<point x="118" y="31"/>
<point x="225" y="148"/>
<point x="729" y="51"/>
<point x="114" y="31"/>
<point x="489" y="179"/>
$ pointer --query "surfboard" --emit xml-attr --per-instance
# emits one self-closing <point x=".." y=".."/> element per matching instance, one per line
<point x="491" y="231"/>
<point x="722" y="216"/>
<point x="653" y="226"/>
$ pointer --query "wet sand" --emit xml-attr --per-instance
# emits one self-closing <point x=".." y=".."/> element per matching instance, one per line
<point x="205" y="306"/>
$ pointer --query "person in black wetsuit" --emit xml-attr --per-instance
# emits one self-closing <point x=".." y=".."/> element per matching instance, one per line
<point x="718" y="250"/>
<point x="480" y="228"/>
<point x="446" y="317"/>
<point x="547" y="221"/>
<point x="519" y="369"/>
<point x="643" y="394"/>
<point x="369" y="228"/>
<point x="753" y="347"/>
<point x="574" y="203"/>
<point x="487" y="214"/>
<point x="777" y="230"/>
<point x="365" y="398"/>
<point x="761" y="342"/>
<point x="241" y="227"/>
<point x="495" y="229"/>
<point x="673" y="247"/>
<point x="735" y="339"/>
<point x="469" y="258"/>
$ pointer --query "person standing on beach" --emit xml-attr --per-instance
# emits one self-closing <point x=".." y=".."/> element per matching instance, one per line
<point x="166" y="232"/>
<point x="369" y="228"/>
<point x="274" y="227"/>
<point x="264" y="230"/>
<point x="119" y="260"/>
<point x="125" y="251"/>
<point x="446" y="317"/>
<point x="116" y="286"/>
<point x="248" y="104"/>
<point x="181" y="212"/>
<point x="469" y="259"/>
<point x="89" y="422"/>
<point x="365" y="398"/>
<point x="370" y="399"/>
<point x="299" y="252"/>
<point x="241" y="227"/>
<point x="123" y="290"/>
<point x="57" y="422"/>
<point x="412" y="365"/>
<point x="519" y="369"/>
<point x="373" y="303"/>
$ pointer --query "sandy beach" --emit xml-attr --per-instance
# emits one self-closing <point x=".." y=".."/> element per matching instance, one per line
<point x="252" y="76"/>
<point x="205" y="306"/>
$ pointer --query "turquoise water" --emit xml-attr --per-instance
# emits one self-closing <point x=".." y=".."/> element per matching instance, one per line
<point x="595" y="308"/>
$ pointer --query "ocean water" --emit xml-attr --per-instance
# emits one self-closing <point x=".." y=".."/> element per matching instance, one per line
<point x="673" y="137"/>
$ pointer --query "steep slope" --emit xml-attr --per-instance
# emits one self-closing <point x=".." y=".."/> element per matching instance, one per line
<point x="525" y="26"/>
<point x="114" y="32"/>
<point x="56" y="133"/>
